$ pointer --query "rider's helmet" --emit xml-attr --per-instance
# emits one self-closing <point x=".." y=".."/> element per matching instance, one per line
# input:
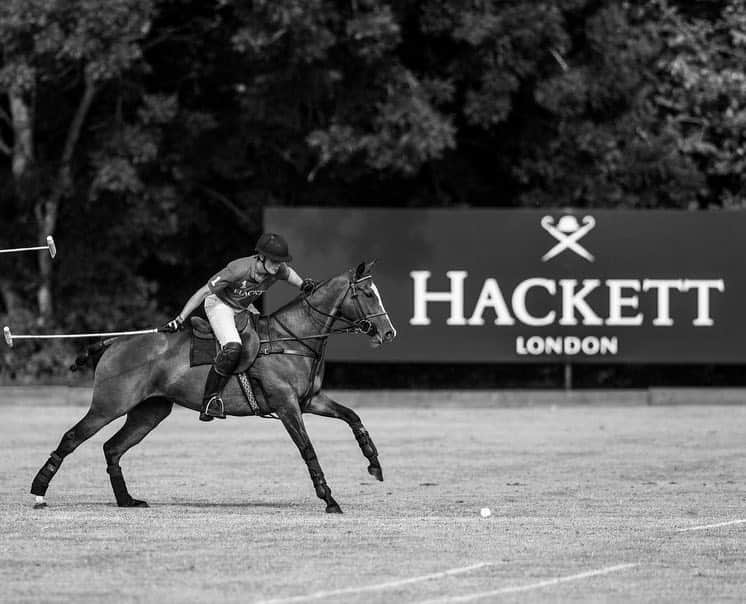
<point x="274" y="247"/>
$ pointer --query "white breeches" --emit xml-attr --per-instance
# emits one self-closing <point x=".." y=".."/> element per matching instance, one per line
<point x="222" y="320"/>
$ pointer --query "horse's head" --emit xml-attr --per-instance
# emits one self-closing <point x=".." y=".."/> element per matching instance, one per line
<point x="363" y="307"/>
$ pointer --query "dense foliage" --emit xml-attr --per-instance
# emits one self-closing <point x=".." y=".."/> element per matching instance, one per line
<point x="147" y="135"/>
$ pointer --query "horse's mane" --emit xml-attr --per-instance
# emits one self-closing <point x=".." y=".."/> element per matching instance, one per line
<point x="297" y="300"/>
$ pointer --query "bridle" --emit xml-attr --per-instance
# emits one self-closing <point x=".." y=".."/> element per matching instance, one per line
<point x="362" y="324"/>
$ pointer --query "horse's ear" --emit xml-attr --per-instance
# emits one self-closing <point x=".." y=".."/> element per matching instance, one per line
<point x="364" y="269"/>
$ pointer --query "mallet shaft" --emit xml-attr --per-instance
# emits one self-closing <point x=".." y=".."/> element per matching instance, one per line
<point x="50" y="246"/>
<point x="50" y="336"/>
<point x="10" y="337"/>
<point x="24" y="249"/>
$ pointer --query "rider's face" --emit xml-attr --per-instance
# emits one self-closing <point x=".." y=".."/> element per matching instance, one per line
<point x="271" y="266"/>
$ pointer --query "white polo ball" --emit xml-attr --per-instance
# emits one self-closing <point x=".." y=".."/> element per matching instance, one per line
<point x="485" y="512"/>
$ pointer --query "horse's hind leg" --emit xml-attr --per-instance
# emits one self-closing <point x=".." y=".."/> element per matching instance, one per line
<point x="91" y="423"/>
<point x="293" y="422"/>
<point x="140" y="421"/>
<point x="321" y="404"/>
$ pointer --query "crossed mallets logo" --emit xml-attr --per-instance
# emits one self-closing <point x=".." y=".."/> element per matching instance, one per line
<point x="568" y="232"/>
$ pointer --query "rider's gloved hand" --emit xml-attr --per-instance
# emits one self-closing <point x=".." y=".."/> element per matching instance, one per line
<point x="307" y="286"/>
<point x="174" y="324"/>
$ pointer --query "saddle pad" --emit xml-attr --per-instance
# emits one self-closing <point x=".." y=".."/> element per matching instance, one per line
<point x="204" y="347"/>
<point x="202" y="351"/>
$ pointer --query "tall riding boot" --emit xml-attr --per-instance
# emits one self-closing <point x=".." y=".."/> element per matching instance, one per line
<point x="225" y="364"/>
<point x="212" y="404"/>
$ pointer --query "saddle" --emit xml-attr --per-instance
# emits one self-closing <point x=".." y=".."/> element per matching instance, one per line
<point x="204" y="346"/>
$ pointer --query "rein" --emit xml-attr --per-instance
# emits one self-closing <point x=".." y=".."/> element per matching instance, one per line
<point x="361" y="325"/>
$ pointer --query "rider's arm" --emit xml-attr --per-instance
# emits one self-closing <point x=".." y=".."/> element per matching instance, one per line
<point x="292" y="277"/>
<point x="194" y="301"/>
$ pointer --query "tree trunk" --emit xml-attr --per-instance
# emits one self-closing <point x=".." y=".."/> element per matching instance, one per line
<point x="23" y="134"/>
<point x="11" y="299"/>
<point x="46" y="220"/>
<point x="46" y="211"/>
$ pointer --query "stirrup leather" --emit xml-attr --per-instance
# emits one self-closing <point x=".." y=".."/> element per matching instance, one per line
<point x="215" y="401"/>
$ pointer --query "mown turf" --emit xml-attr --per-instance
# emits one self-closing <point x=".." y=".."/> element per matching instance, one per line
<point x="234" y="517"/>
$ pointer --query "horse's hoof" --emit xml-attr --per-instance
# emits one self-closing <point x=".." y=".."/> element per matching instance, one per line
<point x="333" y="508"/>
<point x="133" y="503"/>
<point x="40" y="506"/>
<point x="376" y="472"/>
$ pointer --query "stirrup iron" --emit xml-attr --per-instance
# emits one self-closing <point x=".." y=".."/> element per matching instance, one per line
<point x="215" y="407"/>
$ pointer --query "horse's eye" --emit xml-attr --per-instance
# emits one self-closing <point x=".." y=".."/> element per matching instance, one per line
<point x="368" y="293"/>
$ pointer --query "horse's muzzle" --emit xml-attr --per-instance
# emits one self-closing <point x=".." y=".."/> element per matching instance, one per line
<point x="377" y="338"/>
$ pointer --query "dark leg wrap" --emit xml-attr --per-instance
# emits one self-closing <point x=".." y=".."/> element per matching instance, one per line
<point x="363" y="439"/>
<point x="49" y="469"/>
<point x="317" y="475"/>
<point x="118" y="485"/>
<point x="369" y="450"/>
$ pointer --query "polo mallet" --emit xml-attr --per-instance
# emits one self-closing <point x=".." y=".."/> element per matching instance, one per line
<point x="9" y="337"/>
<point x="50" y="246"/>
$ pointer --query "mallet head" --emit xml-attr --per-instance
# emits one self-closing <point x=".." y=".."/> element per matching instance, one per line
<point x="8" y="336"/>
<point x="52" y="247"/>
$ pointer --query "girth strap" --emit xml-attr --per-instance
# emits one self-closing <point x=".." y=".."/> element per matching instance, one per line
<point x="266" y="351"/>
<point x="248" y="392"/>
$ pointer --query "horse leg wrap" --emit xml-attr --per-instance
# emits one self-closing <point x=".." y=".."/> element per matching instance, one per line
<point x="363" y="439"/>
<point x="118" y="485"/>
<point x="319" y="484"/>
<point x="49" y="469"/>
<point x="317" y="475"/>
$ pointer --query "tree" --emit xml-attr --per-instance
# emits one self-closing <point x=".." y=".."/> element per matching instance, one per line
<point x="700" y="97"/>
<point x="56" y="58"/>
<point x="148" y="135"/>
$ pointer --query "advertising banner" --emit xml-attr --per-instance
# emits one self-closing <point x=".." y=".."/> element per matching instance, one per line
<point x="493" y="285"/>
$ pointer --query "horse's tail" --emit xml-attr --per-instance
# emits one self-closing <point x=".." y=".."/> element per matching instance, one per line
<point x="91" y="356"/>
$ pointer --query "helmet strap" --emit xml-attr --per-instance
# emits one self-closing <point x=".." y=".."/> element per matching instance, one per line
<point x="263" y="260"/>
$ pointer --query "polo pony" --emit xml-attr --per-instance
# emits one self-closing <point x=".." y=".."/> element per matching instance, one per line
<point x="143" y="376"/>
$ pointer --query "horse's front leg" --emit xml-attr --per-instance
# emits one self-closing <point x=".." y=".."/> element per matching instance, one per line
<point x="291" y="418"/>
<point x="321" y="404"/>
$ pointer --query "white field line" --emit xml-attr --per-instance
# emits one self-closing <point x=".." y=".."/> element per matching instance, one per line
<point x="530" y="586"/>
<point x="377" y="586"/>
<point x="709" y="526"/>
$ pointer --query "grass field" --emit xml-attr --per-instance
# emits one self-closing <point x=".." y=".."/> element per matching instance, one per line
<point x="588" y="503"/>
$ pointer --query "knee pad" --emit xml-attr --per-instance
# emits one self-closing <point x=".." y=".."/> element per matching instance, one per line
<point x="228" y="358"/>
